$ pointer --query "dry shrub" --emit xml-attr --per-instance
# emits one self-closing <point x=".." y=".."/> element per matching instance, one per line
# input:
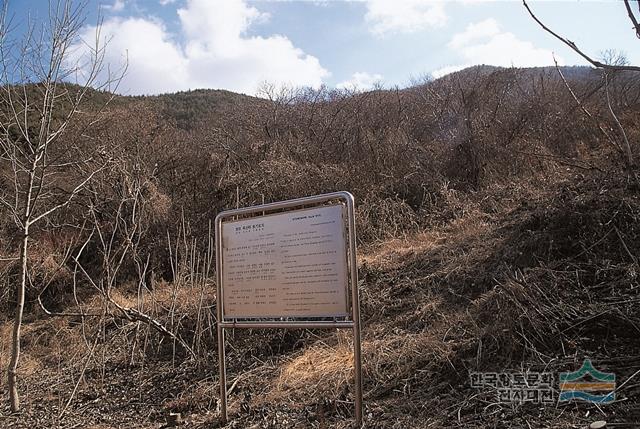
<point x="120" y="297"/>
<point x="566" y="279"/>
<point x="280" y="179"/>
<point x="56" y="334"/>
<point x="45" y="344"/>
<point x="524" y="288"/>
<point x="158" y="203"/>
<point x="496" y="280"/>
<point x="5" y="345"/>
<point x="46" y="267"/>
<point x="183" y="298"/>
<point x="380" y="219"/>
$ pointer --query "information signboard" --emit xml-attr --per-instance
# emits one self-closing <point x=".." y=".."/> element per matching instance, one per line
<point x="291" y="264"/>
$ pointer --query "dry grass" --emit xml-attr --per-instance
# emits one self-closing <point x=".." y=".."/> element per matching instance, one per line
<point x="475" y="294"/>
<point x="396" y="252"/>
<point x="183" y="298"/>
<point x="320" y="371"/>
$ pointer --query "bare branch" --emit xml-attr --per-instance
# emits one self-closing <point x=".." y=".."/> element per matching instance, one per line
<point x="627" y="146"/>
<point x="583" y="108"/>
<point x="573" y="46"/>
<point x="632" y="17"/>
<point x="73" y="193"/>
<point x="136" y="315"/>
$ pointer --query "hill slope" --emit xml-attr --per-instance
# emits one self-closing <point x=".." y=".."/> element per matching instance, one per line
<point x="498" y="234"/>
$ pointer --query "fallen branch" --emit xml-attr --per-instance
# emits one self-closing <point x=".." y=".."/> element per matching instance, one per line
<point x="135" y="315"/>
<point x="631" y="255"/>
<point x="132" y="314"/>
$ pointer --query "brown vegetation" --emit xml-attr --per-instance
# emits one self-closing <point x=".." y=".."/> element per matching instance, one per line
<point x="498" y="229"/>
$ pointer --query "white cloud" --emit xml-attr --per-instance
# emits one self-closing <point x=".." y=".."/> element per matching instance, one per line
<point x="475" y="32"/>
<point x="404" y="16"/>
<point x="166" y="2"/>
<point x="117" y="6"/>
<point x="485" y="43"/>
<point x="215" y="53"/>
<point x="360" y="81"/>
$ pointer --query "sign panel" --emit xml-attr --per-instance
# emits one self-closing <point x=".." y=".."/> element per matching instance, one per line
<point x="291" y="264"/>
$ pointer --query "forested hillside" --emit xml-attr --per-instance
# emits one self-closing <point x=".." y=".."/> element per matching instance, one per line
<point x="498" y="230"/>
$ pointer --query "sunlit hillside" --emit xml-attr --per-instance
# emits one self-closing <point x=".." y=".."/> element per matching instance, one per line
<point x="498" y="229"/>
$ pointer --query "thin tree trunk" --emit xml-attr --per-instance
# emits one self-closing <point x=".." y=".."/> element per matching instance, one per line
<point x="12" y="371"/>
<point x="14" y="397"/>
<point x="627" y="146"/>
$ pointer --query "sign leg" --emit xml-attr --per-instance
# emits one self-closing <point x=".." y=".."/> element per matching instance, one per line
<point x="355" y="308"/>
<point x="358" y="373"/>
<point x="223" y="375"/>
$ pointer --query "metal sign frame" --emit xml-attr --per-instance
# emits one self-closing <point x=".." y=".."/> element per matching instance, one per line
<point x="354" y="323"/>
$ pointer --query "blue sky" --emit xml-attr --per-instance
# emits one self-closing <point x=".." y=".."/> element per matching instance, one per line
<point x="172" y="45"/>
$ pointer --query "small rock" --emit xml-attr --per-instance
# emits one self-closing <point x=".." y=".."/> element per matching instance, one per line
<point x="174" y="419"/>
<point x="600" y="424"/>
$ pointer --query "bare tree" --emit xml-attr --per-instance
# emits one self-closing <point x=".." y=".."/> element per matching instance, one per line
<point x="44" y="164"/>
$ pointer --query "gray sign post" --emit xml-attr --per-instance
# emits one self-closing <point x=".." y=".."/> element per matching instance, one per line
<point x="289" y="265"/>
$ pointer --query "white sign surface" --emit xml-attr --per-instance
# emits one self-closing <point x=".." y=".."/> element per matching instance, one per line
<point x="291" y="264"/>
